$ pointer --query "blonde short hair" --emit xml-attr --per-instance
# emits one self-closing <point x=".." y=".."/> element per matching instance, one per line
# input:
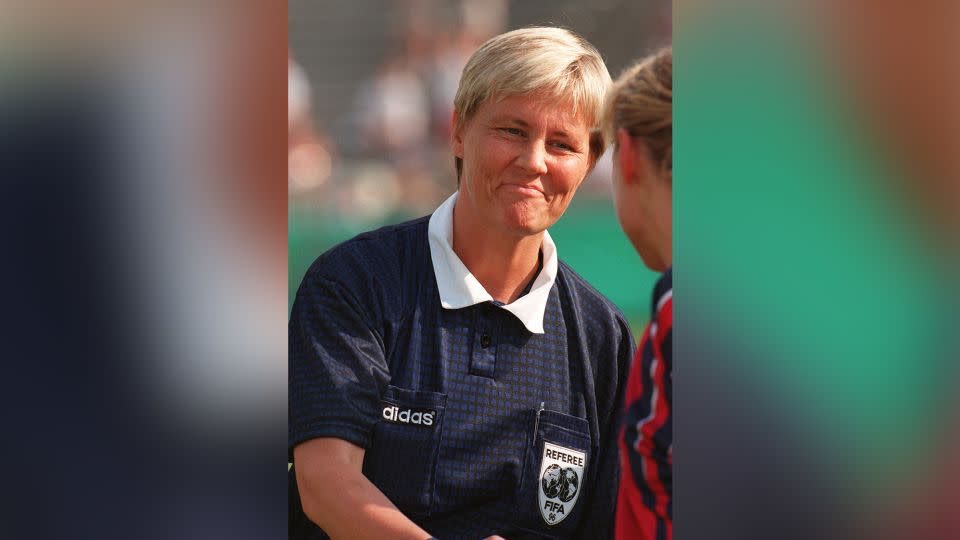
<point x="555" y="61"/>
<point x="641" y="102"/>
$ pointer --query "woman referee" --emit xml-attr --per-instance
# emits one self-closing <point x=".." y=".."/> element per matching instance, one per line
<point x="450" y="376"/>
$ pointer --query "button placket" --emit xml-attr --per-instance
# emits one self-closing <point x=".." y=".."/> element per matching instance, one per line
<point x="483" y="359"/>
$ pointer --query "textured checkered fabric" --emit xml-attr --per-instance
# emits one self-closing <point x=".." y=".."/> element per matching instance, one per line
<point x="372" y="353"/>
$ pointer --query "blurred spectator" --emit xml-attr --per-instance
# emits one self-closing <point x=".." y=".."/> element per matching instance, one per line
<point x="309" y="154"/>
<point x="395" y="123"/>
<point x="450" y="54"/>
<point x="393" y="118"/>
<point x="393" y="110"/>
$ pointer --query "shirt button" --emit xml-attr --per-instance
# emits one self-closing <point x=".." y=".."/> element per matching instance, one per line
<point x="485" y="340"/>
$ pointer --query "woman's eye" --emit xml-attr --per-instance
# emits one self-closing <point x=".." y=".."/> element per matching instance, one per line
<point x="511" y="131"/>
<point x="563" y="146"/>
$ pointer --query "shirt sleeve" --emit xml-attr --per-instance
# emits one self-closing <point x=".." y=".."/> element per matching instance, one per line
<point x="337" y="365"/>
<point x="600" y="518"/>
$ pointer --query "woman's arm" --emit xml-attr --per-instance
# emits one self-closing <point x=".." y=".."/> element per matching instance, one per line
<point x="340" y="499"/>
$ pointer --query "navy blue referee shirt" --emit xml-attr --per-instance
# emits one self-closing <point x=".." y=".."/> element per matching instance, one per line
<point x="477" y="418"/>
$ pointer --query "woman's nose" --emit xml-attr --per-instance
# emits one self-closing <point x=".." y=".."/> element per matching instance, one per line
<point x="533" y="159"/>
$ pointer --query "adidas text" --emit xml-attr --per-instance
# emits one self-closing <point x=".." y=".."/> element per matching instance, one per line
<point x="392" y="413"/>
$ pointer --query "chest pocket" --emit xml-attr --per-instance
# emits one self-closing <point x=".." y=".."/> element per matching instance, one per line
<point x="553" y="486"/>
<point x="402" y="458"/>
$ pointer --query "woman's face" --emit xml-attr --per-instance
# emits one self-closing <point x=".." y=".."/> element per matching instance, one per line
<point x="523" y="159"/>
<point x="642" y="198"/>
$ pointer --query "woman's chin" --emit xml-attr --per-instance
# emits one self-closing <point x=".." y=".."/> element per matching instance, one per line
<point x="652" y="260"/>
<point x="523" y="222"/>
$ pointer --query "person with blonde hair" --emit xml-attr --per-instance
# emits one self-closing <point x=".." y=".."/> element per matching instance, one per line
<point x="450" y="376"/>
<point x="638" y="116"/>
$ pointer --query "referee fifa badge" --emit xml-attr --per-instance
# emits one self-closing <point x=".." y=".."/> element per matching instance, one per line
<point x="561" y="472"/>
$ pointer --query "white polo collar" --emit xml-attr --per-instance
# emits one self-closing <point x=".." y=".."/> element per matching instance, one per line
<point x="459" y="289"/>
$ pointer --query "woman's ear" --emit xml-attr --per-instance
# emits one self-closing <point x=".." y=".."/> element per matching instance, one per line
<point x="456" y="137"/>
<point x="627" y="151"/>
<point x="635" y="158"/>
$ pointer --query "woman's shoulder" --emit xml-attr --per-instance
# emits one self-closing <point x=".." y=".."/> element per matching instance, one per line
<point x="662" y="297"/>
<point x="382" y="253"/>
<point x="583" y="293"/>
<point x="378" y="271"/>
<point x="595" y="310"/>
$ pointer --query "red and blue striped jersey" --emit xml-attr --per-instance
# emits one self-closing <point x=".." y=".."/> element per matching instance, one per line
<point x="644" y="503"/>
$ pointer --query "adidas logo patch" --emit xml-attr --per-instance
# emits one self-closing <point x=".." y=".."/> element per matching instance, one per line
<point x="418" y="417"/>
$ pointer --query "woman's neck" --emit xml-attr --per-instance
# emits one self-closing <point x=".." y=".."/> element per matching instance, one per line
<point x="503" y="264"/>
